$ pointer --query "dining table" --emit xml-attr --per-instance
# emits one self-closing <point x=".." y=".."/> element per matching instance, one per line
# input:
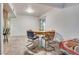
<point x="44" y="37"/>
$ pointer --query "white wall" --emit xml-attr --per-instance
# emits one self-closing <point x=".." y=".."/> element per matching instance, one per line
<point x="65" y="21"/>
<point x="0" y="19"/>
<point x="22" y="23"/>
<point x="0" y="28"/>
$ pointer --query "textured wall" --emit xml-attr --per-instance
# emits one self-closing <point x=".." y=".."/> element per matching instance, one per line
<point x="65" y="21"/>
<point x="22" y="23"/>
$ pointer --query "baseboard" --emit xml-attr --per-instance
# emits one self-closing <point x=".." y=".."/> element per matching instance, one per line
<point x="18" y="36"/>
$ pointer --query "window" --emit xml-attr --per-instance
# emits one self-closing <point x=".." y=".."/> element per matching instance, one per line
<point x="42" y="24"/>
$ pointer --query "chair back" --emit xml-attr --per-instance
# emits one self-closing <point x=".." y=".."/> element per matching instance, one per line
<point x="30" y="34"/>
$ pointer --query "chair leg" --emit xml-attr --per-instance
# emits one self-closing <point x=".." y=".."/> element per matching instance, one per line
<point x="28" y="44"/>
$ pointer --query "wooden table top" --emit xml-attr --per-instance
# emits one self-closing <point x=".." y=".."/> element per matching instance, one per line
<point x="48" y="34"/>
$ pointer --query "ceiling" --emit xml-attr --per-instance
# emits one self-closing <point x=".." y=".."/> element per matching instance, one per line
<point x="39" y="8"/>
<point x="56" y="5"/>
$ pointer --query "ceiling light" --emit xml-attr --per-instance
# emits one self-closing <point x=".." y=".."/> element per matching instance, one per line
<point x="29" y="10"/>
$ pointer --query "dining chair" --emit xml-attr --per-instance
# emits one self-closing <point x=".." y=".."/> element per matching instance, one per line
<point x="31" y="35"/>
<point x="31" y="38"/>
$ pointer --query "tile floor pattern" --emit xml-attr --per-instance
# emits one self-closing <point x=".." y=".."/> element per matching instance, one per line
<point x="17" y="46"/>
<point x="0" y="44"/>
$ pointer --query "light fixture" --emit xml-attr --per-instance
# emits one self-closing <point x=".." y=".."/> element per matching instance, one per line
<point x="29" y="10"/>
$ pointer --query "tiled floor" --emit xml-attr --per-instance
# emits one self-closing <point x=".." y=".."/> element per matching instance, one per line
<point x="15" y="46"/>
<point x="0" y="44"/>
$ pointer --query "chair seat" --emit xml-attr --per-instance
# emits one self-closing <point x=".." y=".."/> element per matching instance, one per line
<point x="33" y="38"/>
